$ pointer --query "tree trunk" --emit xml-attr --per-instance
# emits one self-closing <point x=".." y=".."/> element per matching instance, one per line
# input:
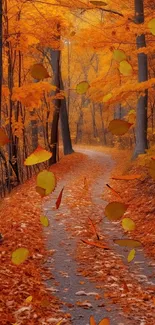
<point x="66" y="138"/>
<point x="55" y="63"/>
<point x="142" y="105"/>
<point x="95" y="131"/>
<point x="1" y="68"/>
<point x="34" y="130"/>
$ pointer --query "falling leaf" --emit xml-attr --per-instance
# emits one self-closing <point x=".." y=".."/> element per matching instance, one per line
<point x="152" y="168"/>
<point x="151" y="26"/>
<point x="94" y="229"/>
<point x="60" y="322"/>
<point x="47" y="181"/>
<point x="107" y="97"/>
<point x="115" y="210"/>
<point x="92" y="320"/>
<point x="39" y="72"/>
<point x="119" y="55"/>
<point x="20" y="255"/>
<point x="113" y="191"/>
<point x="44" y="221"/>
<point x="38" y="156"/>
<point x="82" y="87"/>
<point x="41" y="191"/>
<point x="131" y="255"/>
<point x="119" y="127"/>
<point x="58" y="201"/>
<point x="104" y="321"/>
<point x="99" y="245"/>
<point x="99" y="3"/>
<point x="29" y="299"/>
<point x="3" y="138"/>
<point x="127" y="177"/>
<point x="125" y="68"/>
<point x="128" y="242"/>
<point x="128" y="224"/>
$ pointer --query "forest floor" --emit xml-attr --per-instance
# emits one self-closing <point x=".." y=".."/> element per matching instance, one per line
<point x="67" y="278"/>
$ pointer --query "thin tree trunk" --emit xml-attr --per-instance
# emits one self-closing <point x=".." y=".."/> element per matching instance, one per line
<point x="55" y="63"/>
<point x="1" y="68"/>
<point x="142" y="105"/>
<point x="66" y="138"/>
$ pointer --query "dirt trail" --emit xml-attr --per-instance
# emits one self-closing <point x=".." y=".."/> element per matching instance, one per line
<point x="70" y="257"/>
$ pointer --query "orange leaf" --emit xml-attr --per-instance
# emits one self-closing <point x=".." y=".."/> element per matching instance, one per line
<point x="94" y="229"/>
<point x="58" y="201"/>
<point x="113" y="191"/>
<point x="99" y="245"/>
<point x="38" y="156"/>
<point x="3" y="138"/>
<point x="115" y="210"/>
<point x="41" y="191"/>
<point x="127" y="177"/>
<point x="119" y="127"/>
<point x="39" y="72"/>
<point x="92" y="320"/>
<point x="104" y="321"/>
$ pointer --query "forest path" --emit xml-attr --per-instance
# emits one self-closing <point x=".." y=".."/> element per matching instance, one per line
<point x="90" y="280"/>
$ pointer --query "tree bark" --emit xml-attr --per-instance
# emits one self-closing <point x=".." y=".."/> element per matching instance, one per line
<point x="142" y="105"/>
<point x="66" y="138"/>
<point x="1" y="68"/>
<point x="55" y="63"/>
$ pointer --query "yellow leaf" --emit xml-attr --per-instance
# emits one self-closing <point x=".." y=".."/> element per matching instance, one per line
<point x="127" y="242"/>
<point x="29" y="299"/>
<point x="115" y="210"/>
<point x="125" y="68"/>
<point x="82" y="87"/>
<point x="44" y="221"/>
<point x="47" y="181"/>
<point x="119" y="55"/>
<point x="20" y="255"/>
<point x="107" y="97"/>
<point x="60" y="322"/>
<point x="38" y="156"/>
<point x="92" y="320"/>
<point x="119" y="127"/>
<point x="105" y="321"/>
<point x="131" y="255"/>
<point x="127" y="177"/>
<point x="152" y="168"/>
<point x="128" y="224"/>
<point x="3" y="138"/>
<point x="151" y="26"/>
<point x="39" y="72"/>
